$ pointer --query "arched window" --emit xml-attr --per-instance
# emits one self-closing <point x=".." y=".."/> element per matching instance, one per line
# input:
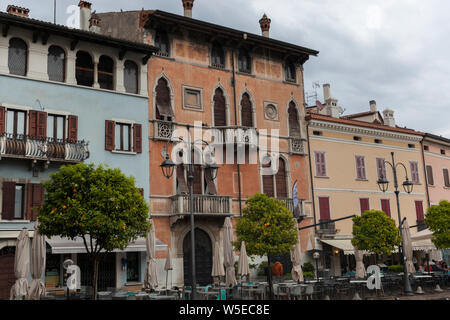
<point x="56" y="64"/>
<point x="246" y="111"/>
<point x="217" y="56"/>
<point x="220" y="116"/>
<point x="106" y="73"/>
<point x="290" y="72"/>
<point x="84" y="69"/>
<point x="162" y="42"/>
<point x="276" y="185"/>
<point x="17" y="57"/>
<point x="163" y="101"/>
<point x="244" y="61"/>
<point x="130" y="77"/>
<point x="294" y="127"/>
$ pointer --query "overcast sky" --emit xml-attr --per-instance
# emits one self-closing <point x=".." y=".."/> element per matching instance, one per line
<point x="394" y="52"/>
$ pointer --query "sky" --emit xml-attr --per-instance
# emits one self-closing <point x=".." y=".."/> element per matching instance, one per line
<point x="394" y="52"/>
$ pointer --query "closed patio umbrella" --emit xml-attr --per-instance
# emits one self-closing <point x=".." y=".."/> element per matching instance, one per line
<point x="169" y="265"/>
<point x="228" y="253"/>
<point x="151" y="280"/>
<point x="243" y="268"/>
<point x="21" y="266"/>
<point x="37" y="288"/>
<point x="297" y="274"/>
<point x="407" y="250"/>
<point x="217" y="267"/>
<point x="360" y="270"/>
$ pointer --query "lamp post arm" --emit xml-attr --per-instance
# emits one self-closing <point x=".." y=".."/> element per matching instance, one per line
<point x="401" y="164"/>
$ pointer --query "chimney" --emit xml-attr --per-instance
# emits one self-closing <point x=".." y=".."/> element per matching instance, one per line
<point x="94" y="23"/>
<point x="85" y="14"/>
<point x="265" y="25"/>
<point x="18" y="11"/>
<point x="188" y="5"/>
<point x="373" y="106"/>
<point x="388" y="117"/>
<point x="326" y="92"/>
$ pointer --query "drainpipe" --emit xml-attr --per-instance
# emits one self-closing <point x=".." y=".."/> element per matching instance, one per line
<point x="311" y="175"/>
<point x="235" y="123"/>
<point x="425" y="172"/>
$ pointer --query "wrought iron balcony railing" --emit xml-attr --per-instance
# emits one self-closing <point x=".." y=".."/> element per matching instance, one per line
<point x="29" y="147"/>
<point x="327" y="228"/>
<point x="163" y="129"/>
<point x="203" y="204"/>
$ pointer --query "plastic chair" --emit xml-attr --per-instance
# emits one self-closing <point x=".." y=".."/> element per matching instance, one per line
<point x="222" y="295"/>
<point x="296" y="292"/>
<point x="309" y="291"/>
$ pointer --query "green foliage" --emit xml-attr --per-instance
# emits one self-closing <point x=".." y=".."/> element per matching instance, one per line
<point x="261" y="271"/>
<point x="437" y="219"/>
<point x="308" y="275"/>
<point x="308" y="267"/>
<point x="267" y="227"/>
<point x="396" y="268"/>
<point x="101" y="202"/>
<point x="374" y="231"/>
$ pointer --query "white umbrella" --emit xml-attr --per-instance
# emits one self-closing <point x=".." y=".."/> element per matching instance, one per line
<point x="360" y="270"/>
<point x="37" y="288"/>
<point x="151" y="280"/>
<point x="243" y="269"/>
<point x="217" y="267"/>
<point x="297" y="274"/>
<point x="228" y="253"/>
<point x="21" y="266"/>
<point x="407" y="250"/>
<point x="169" y="265"/>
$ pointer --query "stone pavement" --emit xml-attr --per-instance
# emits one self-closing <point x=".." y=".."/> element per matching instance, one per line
<point x="427" y="296"/>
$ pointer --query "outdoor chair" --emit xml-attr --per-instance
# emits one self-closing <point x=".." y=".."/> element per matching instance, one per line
<point x="309" y="291"/>
<point x="296" y="292"/>
<point x="278" y="294"/>
<point x="236" y="293"/>
<point x="260" y="292"/>
<point x="342" y="289"/>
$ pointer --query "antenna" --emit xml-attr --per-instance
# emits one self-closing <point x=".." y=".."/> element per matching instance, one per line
<point x="310" y="95"/>
<point x="54" y="11"/>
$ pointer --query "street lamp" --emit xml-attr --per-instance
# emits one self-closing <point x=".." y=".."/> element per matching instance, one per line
<point x="316" y="256"/>
<point x="167" y="167"/>
<point x="408" y="187"/>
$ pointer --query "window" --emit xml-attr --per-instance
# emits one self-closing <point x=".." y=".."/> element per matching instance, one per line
<point x="430" y="178"/>
<point x="411" y="146"/>
<point x="14" y="204"/>
<point x="324" y="208"/>
<point x="17" y="57"/>
<point x="18" y="201"/>
<point x="414" y="172"/>
<point x="426" y="148"/>
<point x="386" y="207"/>
<point x="106" y="73"/>
<point x="220" y="117"/>
<point x="290" y="71"/>
<point x="356" y="138"/>
<point x="360" y="168"/>
<point x="443" y="151"/>
<point x="244" y="61"/>
<point x="446" y="177"/>
<point x="381" y="168"/>
<point x="56" y="64"/>
<point x="317" y="133"/>
<point x="163" y="101"/>
<point x="16" y="123"/>
<point x="246" y="111"/>
<point x="84" y="69"/>
<point x="56" y="127"/>
<point x="130" y="77"/>
<point x="321" y="169"/>
<point x="420" y="216"/>
<point x="133" y="263"/>
<point x="294" y="126"/>
<point x="123" y="137"/>
<point x="162" y="42"/>
<point x="217" y="56"/>
<point x="378" y="141"/>
<point x="192" y="98"/>
<point x="275" y="185"/>
<point x="364" y="204"/>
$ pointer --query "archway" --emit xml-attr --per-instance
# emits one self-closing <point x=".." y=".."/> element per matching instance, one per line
<point x="203" y="257"/>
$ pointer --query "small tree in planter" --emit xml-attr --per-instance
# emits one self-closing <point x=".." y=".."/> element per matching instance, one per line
<point x="437" y="219"/>
<point x="267" y="228"/>
<point x="82" y="200"/>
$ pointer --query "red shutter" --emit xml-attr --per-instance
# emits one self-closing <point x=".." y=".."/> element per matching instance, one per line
<point x="2" y="121"/>
<point x="268" y="187"/>
<point x="9" y="194"/>
<point x="386" y="207"/>
<point x="220" y="118"/>
<point x="281" y="180"/>
<point x="109" y="135"/>
<point x="42" y="125"/>
<point x="324" y="208"/>
<point x="35" y="198"/>
<point x="419" y="210"/>
<point x="414" y="172"/>
<point x="137" y="138"/>
<point x="73" y="129"/>
<point x="33" y="123"/>
<point x="364" y="203"/>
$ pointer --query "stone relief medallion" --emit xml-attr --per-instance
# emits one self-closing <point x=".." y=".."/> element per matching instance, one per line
<point x="271" y="112"/>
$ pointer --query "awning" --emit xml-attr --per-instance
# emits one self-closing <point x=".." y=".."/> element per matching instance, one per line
<point x="64" y="245"/>
<point x="342" y="244"/>
<point x="422" y="235"/>
<point x="423" y="245"/>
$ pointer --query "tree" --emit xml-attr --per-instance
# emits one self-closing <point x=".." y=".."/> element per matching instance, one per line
<point x="374" y="231"/>
<point x="267" y="227"/>
<point x="437" y="219"/>
<point x="100" y="205"/>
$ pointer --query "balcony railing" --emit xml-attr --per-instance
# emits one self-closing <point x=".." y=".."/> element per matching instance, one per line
<point x="28" y="147"/>
<point x="297" y="146"/>
<point x="163" y="129"/>
<point x="421" y="225"/>
<point x="290" y="205"/>
<point x="328" y="228"/>
<point x="235" y="135"/>
<point x="203" y="204"/>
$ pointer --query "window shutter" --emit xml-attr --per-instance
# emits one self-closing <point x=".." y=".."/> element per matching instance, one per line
<point x="381" y="168"/>
<point x="220" y="119"/>
<point x="320" y="164"/>
<point x="419" y="210"/>
<point x="430" y="175"/>
<point x="324" y="208"/>
<point x="364" y="204"/>
<point x="268" y="187"/>
<point x="246" y="111"/>
<point x="294" y="127"/>
<point x="446" y="178"/>
<point x="35" y="198"/>
<point x="414" y="172"/>
<point x="9" y="193"/>
<point x="137" y="138"/>
<point x="281" y="180"/>
<point x="42" y="125"/>
<point x="197" y="186"/>
<point x="359" y="169"/>
<point x="386" y="207"/>
<point x="210" y="182"/>
<point x="73" y="129"/>
<point x="109" y="135"/>
<point x="2" y="121"/>
<point x="182" y="185"/>
<point x="32" y="123"/>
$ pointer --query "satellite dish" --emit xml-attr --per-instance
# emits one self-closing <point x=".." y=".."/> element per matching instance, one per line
<point x="67" y="263"/>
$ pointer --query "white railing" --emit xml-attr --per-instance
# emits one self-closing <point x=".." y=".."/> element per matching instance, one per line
<point x="203" y="204"/>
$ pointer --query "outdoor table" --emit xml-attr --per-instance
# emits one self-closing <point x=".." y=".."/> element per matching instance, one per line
<point x="288" y="286"/>
<point x="209" y="294"/>
<point x="158" y="297"/>
<point x="422" y="276"/>
<point x="250" y="292"/>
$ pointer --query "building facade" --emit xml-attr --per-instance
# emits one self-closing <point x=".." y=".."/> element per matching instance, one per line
<point x="67" y="96"/>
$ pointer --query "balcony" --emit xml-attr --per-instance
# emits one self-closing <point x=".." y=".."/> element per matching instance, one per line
<point x="235" y="135"/>
<point x="48" y="149"/>
<point x="290" y="205"/>
<point x="163" y="129"/>
<point x="421" y="225"/>
<point x="297" y="146"/>
<point x="327" y="229"/>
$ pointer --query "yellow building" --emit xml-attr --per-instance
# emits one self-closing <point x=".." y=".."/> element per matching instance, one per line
<point x="347" y="159"/>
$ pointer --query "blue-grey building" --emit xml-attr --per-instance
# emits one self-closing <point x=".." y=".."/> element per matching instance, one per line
<point x="67" y="96"/>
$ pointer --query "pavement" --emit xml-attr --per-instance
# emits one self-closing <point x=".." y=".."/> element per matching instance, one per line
<point x="445" y="295"/>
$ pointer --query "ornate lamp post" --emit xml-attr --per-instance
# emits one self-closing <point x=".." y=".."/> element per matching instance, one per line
<point x="383" y="184"/>
<point x="167" y="167"/>
<point x="316" y="256"/>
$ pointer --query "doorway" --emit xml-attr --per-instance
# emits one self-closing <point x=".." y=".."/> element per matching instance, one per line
<point x="203" y="258"/>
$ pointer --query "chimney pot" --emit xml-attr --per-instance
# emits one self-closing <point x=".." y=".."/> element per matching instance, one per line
<point x="18" y="11"/>
<point x="188" y="5"/>
<point x="85" y="15"/>
<point x="373" y="106"/>
<point x="326" y="92"/>
<point x="85" y="4"/>
<point x="264" y="22"/>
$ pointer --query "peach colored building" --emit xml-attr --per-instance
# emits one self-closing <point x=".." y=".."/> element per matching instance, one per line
<point x="347" y="158"/>
<point x="219" y="79"/>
